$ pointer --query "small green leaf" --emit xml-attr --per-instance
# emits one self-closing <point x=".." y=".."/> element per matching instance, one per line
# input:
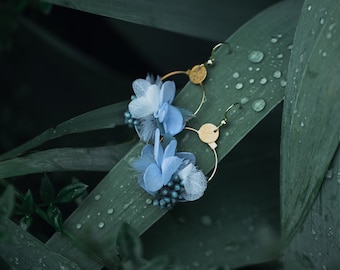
<point x="70" y="192"/>
<point x="129" y="245"/>
<point x="55" y="217"/>
<point x="28" y="204"/>
<point x="26" y="222"/>
<point x="42" y="214"/>
<point x="47" y="191"/>
<point x="7" y="201"/>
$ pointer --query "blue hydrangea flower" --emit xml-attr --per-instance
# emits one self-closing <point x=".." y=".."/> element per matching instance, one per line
<point x="168" y="175"/>
<point x="151" y="108"/>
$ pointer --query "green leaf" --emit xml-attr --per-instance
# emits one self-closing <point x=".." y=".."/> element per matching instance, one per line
<point x="65" y="159"/>
<point x="70" y="192"/>
<point x="271" y="32"/>
<point x="24" y="251"/>
<point x="129" y="246"/>
<point x="317" y="244"/>
<point x="26" y="222"/>
<point x="184" y="17"/>
<point x="7" y="200"/>
<point x="55" y="217"/>
<point x="28" y="204"/>
<point x="45" y="7"/>
<point x="42" y="214"/>
<point x="311" y="123"/>
<point x="102" y="118"/>
<point x="47" y="191"/>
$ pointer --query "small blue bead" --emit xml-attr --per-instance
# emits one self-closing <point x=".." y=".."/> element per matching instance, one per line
<point x="127" y="114"/>
<point x="167" y="199"/>
<point x="133" y="97"/>
<point x="173" y="200"/>
<point x="174" y="194"/>
<point x="180" y="197"/>
<point x="161" y="202"/>
<point x="177" y="187"/>
<point x="155" y="202"/>
<point x="136" y="122"/>
<point x="170" y="184"/>
<point x="164" y="192"/>
<point x="130" y="121"/>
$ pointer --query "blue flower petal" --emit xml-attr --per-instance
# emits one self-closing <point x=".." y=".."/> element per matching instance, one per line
<point x="147" y="151"/>
<point x="152" y="178"/>
<point x="187" y="156"/>
<point x="168" y="91"/>
<point x="169" y="166"/>
<point x="161" y="113"/>
<point x="140" y="107"/>
<point x="141" y="164"/>
<point x="158" y="150"/>
<point x="140" y="87"/>
<point x="170" y="149"/>
<point x="173" y="124"/>
<point x="153" y="97"/>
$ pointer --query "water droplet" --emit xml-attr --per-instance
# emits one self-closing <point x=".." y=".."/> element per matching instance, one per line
<point x="274" y="40"/>
<point x="128" y="204"/>
<point x="209" y="253"/>
<point x="251" y="80"/>
<point x="302" y="124"/>
<point x="279" y="56"/>
<point x="250" y="68"/>
<point x="121" y="186"/>
<point x="331" y="27"/>
<point x="101" y="225"/>
<point x="239" y="86"/>
<point x="244" y="100"/>
<point x="255" y="56"/>
<point x="88" y="216"/>
<point x="283" y="83"/>
<point x="148" y="201"/>
<point x="290" y="46"/>
<point x="258" y="105"/>
<point x="98" y="214"/>
<point x="110" y="211"/>
<point x="309" y="8"/>
<point x="279" y="35"/>
<point x="196" y="264"/>
<point x="16" y="260"/>
<point x="322" y="21"/>
<point x="226" y="86"/>
<point x="236" y="75"/>
<point x="232" y="247"/>
<point x="97" y="197"/>
<point x="78" y="226"/>
<point x="277" y="74"/>
<point x="329" y="174"/>
<point x="206" y="220"/>
<point x="313" y="232"/>
<point x="258" y="69"/>
<point x="324" y="54"/>
<point x="263" y="80"/>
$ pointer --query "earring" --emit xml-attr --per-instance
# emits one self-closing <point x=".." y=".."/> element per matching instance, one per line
<point x="171" y="176"/>
<point x="198" y="73"/>
<point x="209" y="133"/>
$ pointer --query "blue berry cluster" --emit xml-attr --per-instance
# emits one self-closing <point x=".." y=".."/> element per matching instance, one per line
<point x="168" y="195"/>
<point x="130" y="121"/>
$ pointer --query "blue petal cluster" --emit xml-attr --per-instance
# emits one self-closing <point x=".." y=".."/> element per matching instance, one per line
<point x="151" y="108"/>
<point x="160" y="167"/>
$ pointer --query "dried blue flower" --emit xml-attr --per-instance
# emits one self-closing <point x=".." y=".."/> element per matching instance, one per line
<point x="169" y="176"/>
<point x="151" y="108"/>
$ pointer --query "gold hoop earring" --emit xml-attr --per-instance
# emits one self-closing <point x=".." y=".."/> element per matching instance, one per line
<point x="209" y="134"/>
<point x="198" y="73"/>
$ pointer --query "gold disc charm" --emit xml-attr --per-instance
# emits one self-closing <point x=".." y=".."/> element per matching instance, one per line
<point x="197" y="74"/>
<point x="208" y="133"/>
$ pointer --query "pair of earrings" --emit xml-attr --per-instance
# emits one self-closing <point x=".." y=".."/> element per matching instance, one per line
<point x="168" y="175"/>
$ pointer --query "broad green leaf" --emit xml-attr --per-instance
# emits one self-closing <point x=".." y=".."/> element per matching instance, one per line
<point x="311" y="123"/>
<point x="317" y="244"/>
<point x="28" y="204"/>
<point x="47" y="191"/>
<point x="70" y="192"/>
<point x="102" y="118"/>
<point x="202" y="19"/>
<point x="65" y="159"/>
<point x="55" y="217"/>
<point x="7" y="200"/>
<point x="24" y="251"/>
<point x="129" y="246"/>
<point x="258" y="83"/>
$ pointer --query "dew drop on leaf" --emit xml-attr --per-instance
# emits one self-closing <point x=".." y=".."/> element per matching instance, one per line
<point x="101" y="225"/>
<point x="273" y="40"/>
<point x="239" y="86"/>
<point x="255" y="56"/>
<point x="97" y="197"/>
<point x="78" y="226"/>
<point x="251" y="80"/>
<point x="263" y="80"/>
<point x="244" y="100"/>
<point x="206" y="220"/>
<point x="110" y="211"/>
<point x="236" y="75"/>
<point x="277" y="74"/>
<point x="258" y="105"/>
<point x="279" y="55"/>
<point x="283" y="83"/>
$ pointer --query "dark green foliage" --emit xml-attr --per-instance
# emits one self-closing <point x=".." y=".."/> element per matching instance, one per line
<point x="47" y="191"/>
<point x="70" y="193"/>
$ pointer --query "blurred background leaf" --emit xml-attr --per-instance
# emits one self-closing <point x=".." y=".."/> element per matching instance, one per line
<point x="311" y="123"/>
